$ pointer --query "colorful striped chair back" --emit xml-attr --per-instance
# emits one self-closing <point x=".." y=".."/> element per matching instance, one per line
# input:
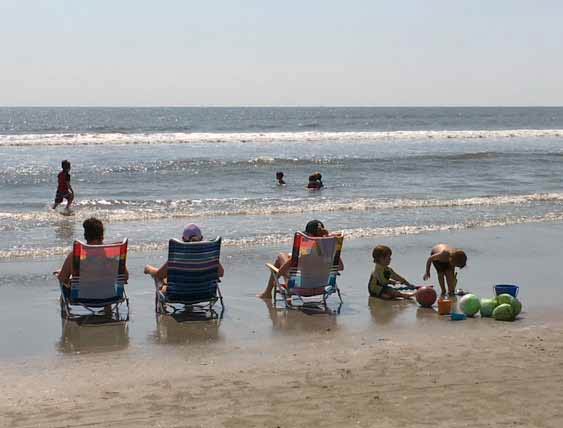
<point x="193" y="270"/>
<point x="98" y="271"/>
<point x="314" y="264"/>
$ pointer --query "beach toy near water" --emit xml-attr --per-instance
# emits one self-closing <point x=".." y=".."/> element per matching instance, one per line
<point x="506" y="289"/>
<point x="426" y="296"/>
<point x="516" y="307"/>
<point x="470" y="304"/>
<point x="457" y="317"/>
<point x="444" y="306"/>
<point x="488" y="306"/>
<point x="504" y="312"/>
<point x="505" y="298"/>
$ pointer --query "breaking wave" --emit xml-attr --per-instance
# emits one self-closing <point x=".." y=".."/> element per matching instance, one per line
<point x="272" y="239"/>
<point x="85" y="139"/>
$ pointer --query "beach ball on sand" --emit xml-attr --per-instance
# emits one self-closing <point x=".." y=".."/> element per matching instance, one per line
<point x="426" y="296"/>
<point x="516" y="306"/>
<point x="503" y="312"/>
<point x="488" y="306"/>
<point x="505" y="298"/>
<point x="470" y="304"/>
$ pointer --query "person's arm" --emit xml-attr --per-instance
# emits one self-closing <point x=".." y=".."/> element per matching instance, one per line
<point x="69" y="185"/>
<point x="395" y="276"/>
<point x="284" y="269"/>
<point x="433" y="258"/>
<point x="66" y="271"/>
<point x="162" y="273"/>
<point x="221" y="271"/>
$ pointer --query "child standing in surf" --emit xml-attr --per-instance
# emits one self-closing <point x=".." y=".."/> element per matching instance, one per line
<point x="64" y="189"/>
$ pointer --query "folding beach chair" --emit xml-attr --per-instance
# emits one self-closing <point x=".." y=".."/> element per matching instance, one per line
<point x="97" y="281"/>
<point x="313" y="272"/>
<point x="193" y="277"/>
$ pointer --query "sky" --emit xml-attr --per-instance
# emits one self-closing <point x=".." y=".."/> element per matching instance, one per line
<point x="291" y="53"/>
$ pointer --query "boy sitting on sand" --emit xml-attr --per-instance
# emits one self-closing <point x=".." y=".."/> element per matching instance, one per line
<point x="383" y="277"/>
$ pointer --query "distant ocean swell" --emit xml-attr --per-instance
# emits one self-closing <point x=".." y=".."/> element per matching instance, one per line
<point x="114" y="138"/>
<point x="35" y="174"/>
<point x="134" y="210"/>
<point x="274" y="239"/>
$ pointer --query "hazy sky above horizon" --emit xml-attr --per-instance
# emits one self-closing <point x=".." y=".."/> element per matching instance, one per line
<point x="183" y="52"/>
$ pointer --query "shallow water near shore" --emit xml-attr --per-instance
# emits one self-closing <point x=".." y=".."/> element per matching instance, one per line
<point x="527" y="255"/>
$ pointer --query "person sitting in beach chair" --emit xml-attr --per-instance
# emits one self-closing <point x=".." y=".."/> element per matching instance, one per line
<point x="312" y="268"/>
<point x="314" y="228"/>
<point x="190" y="276"/>
<point x="93" y="275"/>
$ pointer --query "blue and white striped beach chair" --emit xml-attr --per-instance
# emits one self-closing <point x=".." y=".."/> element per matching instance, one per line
<point x="193" y="276"/>
<point x="97" y="281"/>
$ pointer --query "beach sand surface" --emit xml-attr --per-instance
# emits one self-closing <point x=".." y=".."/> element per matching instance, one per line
<point x="499" y="375"/>
<point x="384" y="364"/>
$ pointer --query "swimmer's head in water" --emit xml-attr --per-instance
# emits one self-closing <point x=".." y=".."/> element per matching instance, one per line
<point x="279" y="175"/>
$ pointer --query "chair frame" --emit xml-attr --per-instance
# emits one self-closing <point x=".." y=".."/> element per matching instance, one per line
<point x="170" y="306"/>
<point x="95" y="308"/>
<point x="285" y="291"/>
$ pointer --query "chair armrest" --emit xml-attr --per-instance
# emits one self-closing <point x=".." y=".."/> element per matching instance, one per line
<point x="273" y="269"/>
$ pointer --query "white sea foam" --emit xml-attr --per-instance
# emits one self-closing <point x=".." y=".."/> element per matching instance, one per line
<point x="265" y="137"/>
<point x="130" y="210"/>
<point x="273" y="239"/>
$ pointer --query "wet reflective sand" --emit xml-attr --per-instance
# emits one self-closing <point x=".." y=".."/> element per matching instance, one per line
<point x="32" y="326"/>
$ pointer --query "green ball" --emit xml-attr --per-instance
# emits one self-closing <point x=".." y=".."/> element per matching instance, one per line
<point x="488" y="306"/>
<point x="516" y="307"/>
<point x="503" y="312"/>
<point x="505" y="298"/>
<point x="470" y="304"/>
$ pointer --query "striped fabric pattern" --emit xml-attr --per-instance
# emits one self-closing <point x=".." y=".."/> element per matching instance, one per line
<point x="314" y="265"/>
<point x="193" y="270"/>
<point x="98" y="272"/>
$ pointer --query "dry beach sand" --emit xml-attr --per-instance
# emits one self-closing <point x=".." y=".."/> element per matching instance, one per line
<point x="501" y="375"/>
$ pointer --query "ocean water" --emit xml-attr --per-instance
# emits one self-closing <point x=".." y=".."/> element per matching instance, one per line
<point x="388" y="172"/>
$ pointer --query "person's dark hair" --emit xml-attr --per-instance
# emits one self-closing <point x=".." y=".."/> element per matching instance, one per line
<point x="459" y="258"/>
<point x="65" y="164"/>
<point x="381" y="251"/>
<point x="314" y="228"/>
<point x="279" y="175"/>
<point x="93" y="229"/>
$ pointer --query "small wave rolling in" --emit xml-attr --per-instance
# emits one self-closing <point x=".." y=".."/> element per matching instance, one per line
<point x="387" y="171"/>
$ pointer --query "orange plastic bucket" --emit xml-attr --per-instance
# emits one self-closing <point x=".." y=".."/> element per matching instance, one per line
<point x="444" y="306"/>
